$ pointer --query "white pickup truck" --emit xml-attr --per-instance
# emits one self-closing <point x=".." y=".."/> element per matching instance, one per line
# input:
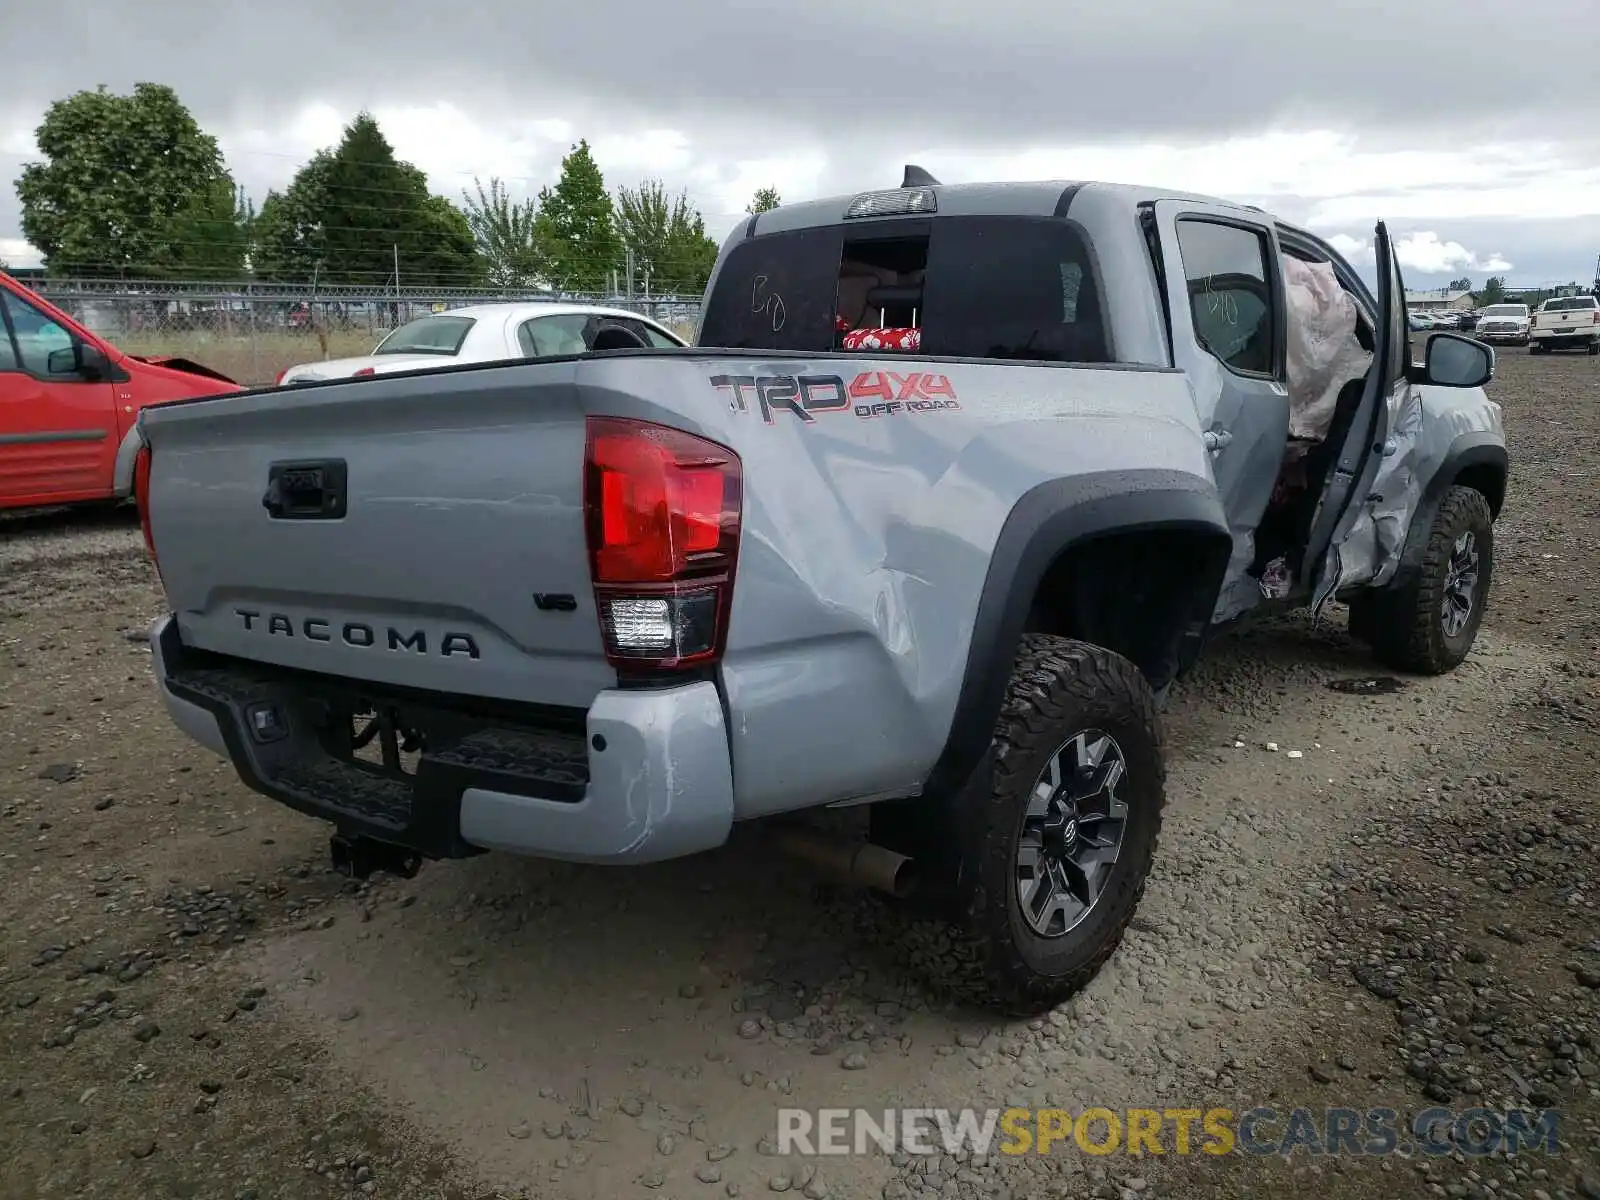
<point x="1503" y="323"/>
<point x="1566" y="323"/>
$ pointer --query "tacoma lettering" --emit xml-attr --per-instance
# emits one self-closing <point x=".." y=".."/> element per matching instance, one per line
<point x="358" y="634"/>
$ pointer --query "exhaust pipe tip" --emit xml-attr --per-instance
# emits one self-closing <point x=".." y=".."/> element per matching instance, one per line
<point x="858" y="863"/>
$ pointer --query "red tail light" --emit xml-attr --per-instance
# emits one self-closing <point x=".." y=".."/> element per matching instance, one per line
<point x="663" y="511"/>
<point x="1597" y="316"/>
<point x="278" y="382"/>
<point x="363" y="372"/>
<point x="141" y="497"/>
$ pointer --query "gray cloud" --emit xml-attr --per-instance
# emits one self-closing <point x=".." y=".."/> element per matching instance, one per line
<point x="1026" y="72"/>
<point x="870" y="84"/>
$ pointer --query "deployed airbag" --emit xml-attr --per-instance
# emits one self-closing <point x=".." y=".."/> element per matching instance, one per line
<point x="1324" y="353"/>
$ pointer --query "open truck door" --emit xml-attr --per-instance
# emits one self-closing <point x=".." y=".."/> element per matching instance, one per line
<point x="1329" y="557"/>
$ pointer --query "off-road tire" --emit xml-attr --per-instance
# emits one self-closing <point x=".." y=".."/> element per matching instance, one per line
<point x="1594" y="347"/>
<point x="1403" y="625"/>
<point x="1058" y="688"/>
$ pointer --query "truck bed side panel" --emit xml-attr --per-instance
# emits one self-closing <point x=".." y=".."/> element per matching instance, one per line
<point x="867" y="539"/>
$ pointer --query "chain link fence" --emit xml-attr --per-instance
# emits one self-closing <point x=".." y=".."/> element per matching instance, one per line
<point x="252" y="331"/>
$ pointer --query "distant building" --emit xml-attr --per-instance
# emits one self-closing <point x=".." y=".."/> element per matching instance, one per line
<point x="1439" y="300"/>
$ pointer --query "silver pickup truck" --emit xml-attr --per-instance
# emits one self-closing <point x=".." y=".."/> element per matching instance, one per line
<point x="957" y="481"/>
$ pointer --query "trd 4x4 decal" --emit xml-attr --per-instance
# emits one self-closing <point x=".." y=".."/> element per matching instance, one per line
<point x="869" y="394"/>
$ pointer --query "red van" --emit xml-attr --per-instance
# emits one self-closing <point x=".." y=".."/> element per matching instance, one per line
<point x="68" y="402"/>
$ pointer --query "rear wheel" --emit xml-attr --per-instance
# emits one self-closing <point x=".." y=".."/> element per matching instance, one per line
<point x="1428" y="626"/>
<point x="1055" y="855"/>
<point x="1594" y="347"/>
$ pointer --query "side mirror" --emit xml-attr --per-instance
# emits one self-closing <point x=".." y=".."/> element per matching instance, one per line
<point x="80" y="359"/>
<point x="63" y="361"/>
<point x="92" y="363"/>
<point x="1455" y="361"/>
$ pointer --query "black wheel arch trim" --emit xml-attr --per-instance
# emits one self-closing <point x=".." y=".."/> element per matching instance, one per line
<point x="1468" y="450"/>
<point x="1050" y="519"/>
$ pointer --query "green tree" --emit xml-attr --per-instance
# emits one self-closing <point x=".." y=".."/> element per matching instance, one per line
<point x="287" y="240"/>
<point x="130" y="184"/>
<point x="213" y="233"/>
<point x="1460" y="285"/>
<point x="765" y="200"/>
<point x="447" y="253"/>
<point x="577" y="229"/>
<point x="668" y="238"/>
<point x="506" y="234"/>
<point x="1493" y="291"/>
<point x="356" y="212"/>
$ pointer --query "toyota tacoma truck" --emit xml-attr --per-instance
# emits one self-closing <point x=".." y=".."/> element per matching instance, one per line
<point x="955" y="483"/>
<point x="1566" y="323"/>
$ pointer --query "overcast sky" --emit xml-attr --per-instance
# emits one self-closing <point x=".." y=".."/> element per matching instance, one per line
<point x="1464" y="126"/>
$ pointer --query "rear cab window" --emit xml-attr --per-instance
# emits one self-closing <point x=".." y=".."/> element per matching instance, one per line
<point x="439" y="334"/>
<point x="1231" y="295"/>
<point x="1571" y="304"/>
<point x="1020" y="288"/>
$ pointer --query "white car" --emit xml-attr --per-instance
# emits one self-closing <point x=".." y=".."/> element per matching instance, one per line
<point x="487" y="333"/>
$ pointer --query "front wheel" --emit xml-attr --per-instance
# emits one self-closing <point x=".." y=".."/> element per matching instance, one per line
<point x="1428" y="626"/>
<point x="1056" y="854"/>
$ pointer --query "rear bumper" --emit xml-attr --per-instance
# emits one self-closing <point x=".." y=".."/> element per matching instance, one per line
<point x="645" y="777"/>
<point x="1578" y="335"/>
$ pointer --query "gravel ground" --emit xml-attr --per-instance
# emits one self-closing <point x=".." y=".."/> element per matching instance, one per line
<point x="1401" y="913"/>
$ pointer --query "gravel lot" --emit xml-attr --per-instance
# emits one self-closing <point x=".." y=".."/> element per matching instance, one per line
<point x="1403" y="914"/>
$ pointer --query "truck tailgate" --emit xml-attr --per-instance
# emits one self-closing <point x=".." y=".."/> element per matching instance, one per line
<point x="451" y="553"/>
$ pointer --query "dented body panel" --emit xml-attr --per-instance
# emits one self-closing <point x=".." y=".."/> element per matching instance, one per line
<point x="1436" y="433"/>
<point x="868" y="528"/>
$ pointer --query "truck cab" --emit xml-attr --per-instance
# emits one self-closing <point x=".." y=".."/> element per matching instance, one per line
<point x="69" y="403"/>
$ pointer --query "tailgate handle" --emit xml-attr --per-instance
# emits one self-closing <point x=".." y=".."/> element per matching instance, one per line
<point x="306" y="491"/>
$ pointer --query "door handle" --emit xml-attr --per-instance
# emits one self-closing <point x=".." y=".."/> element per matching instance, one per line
<point x="306" y="491"/>
<point x="1216" y="439"/>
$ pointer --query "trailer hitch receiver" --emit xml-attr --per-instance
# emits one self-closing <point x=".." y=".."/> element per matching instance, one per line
<point x="358" y="857"/>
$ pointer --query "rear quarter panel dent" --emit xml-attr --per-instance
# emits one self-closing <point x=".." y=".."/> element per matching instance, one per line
<point x="865" y="548"/>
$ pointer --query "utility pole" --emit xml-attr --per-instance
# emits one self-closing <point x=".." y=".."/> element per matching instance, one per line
<point x="629" y="261"/>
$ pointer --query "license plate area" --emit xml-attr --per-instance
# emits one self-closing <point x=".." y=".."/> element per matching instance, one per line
<point x="377" y="737"/>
